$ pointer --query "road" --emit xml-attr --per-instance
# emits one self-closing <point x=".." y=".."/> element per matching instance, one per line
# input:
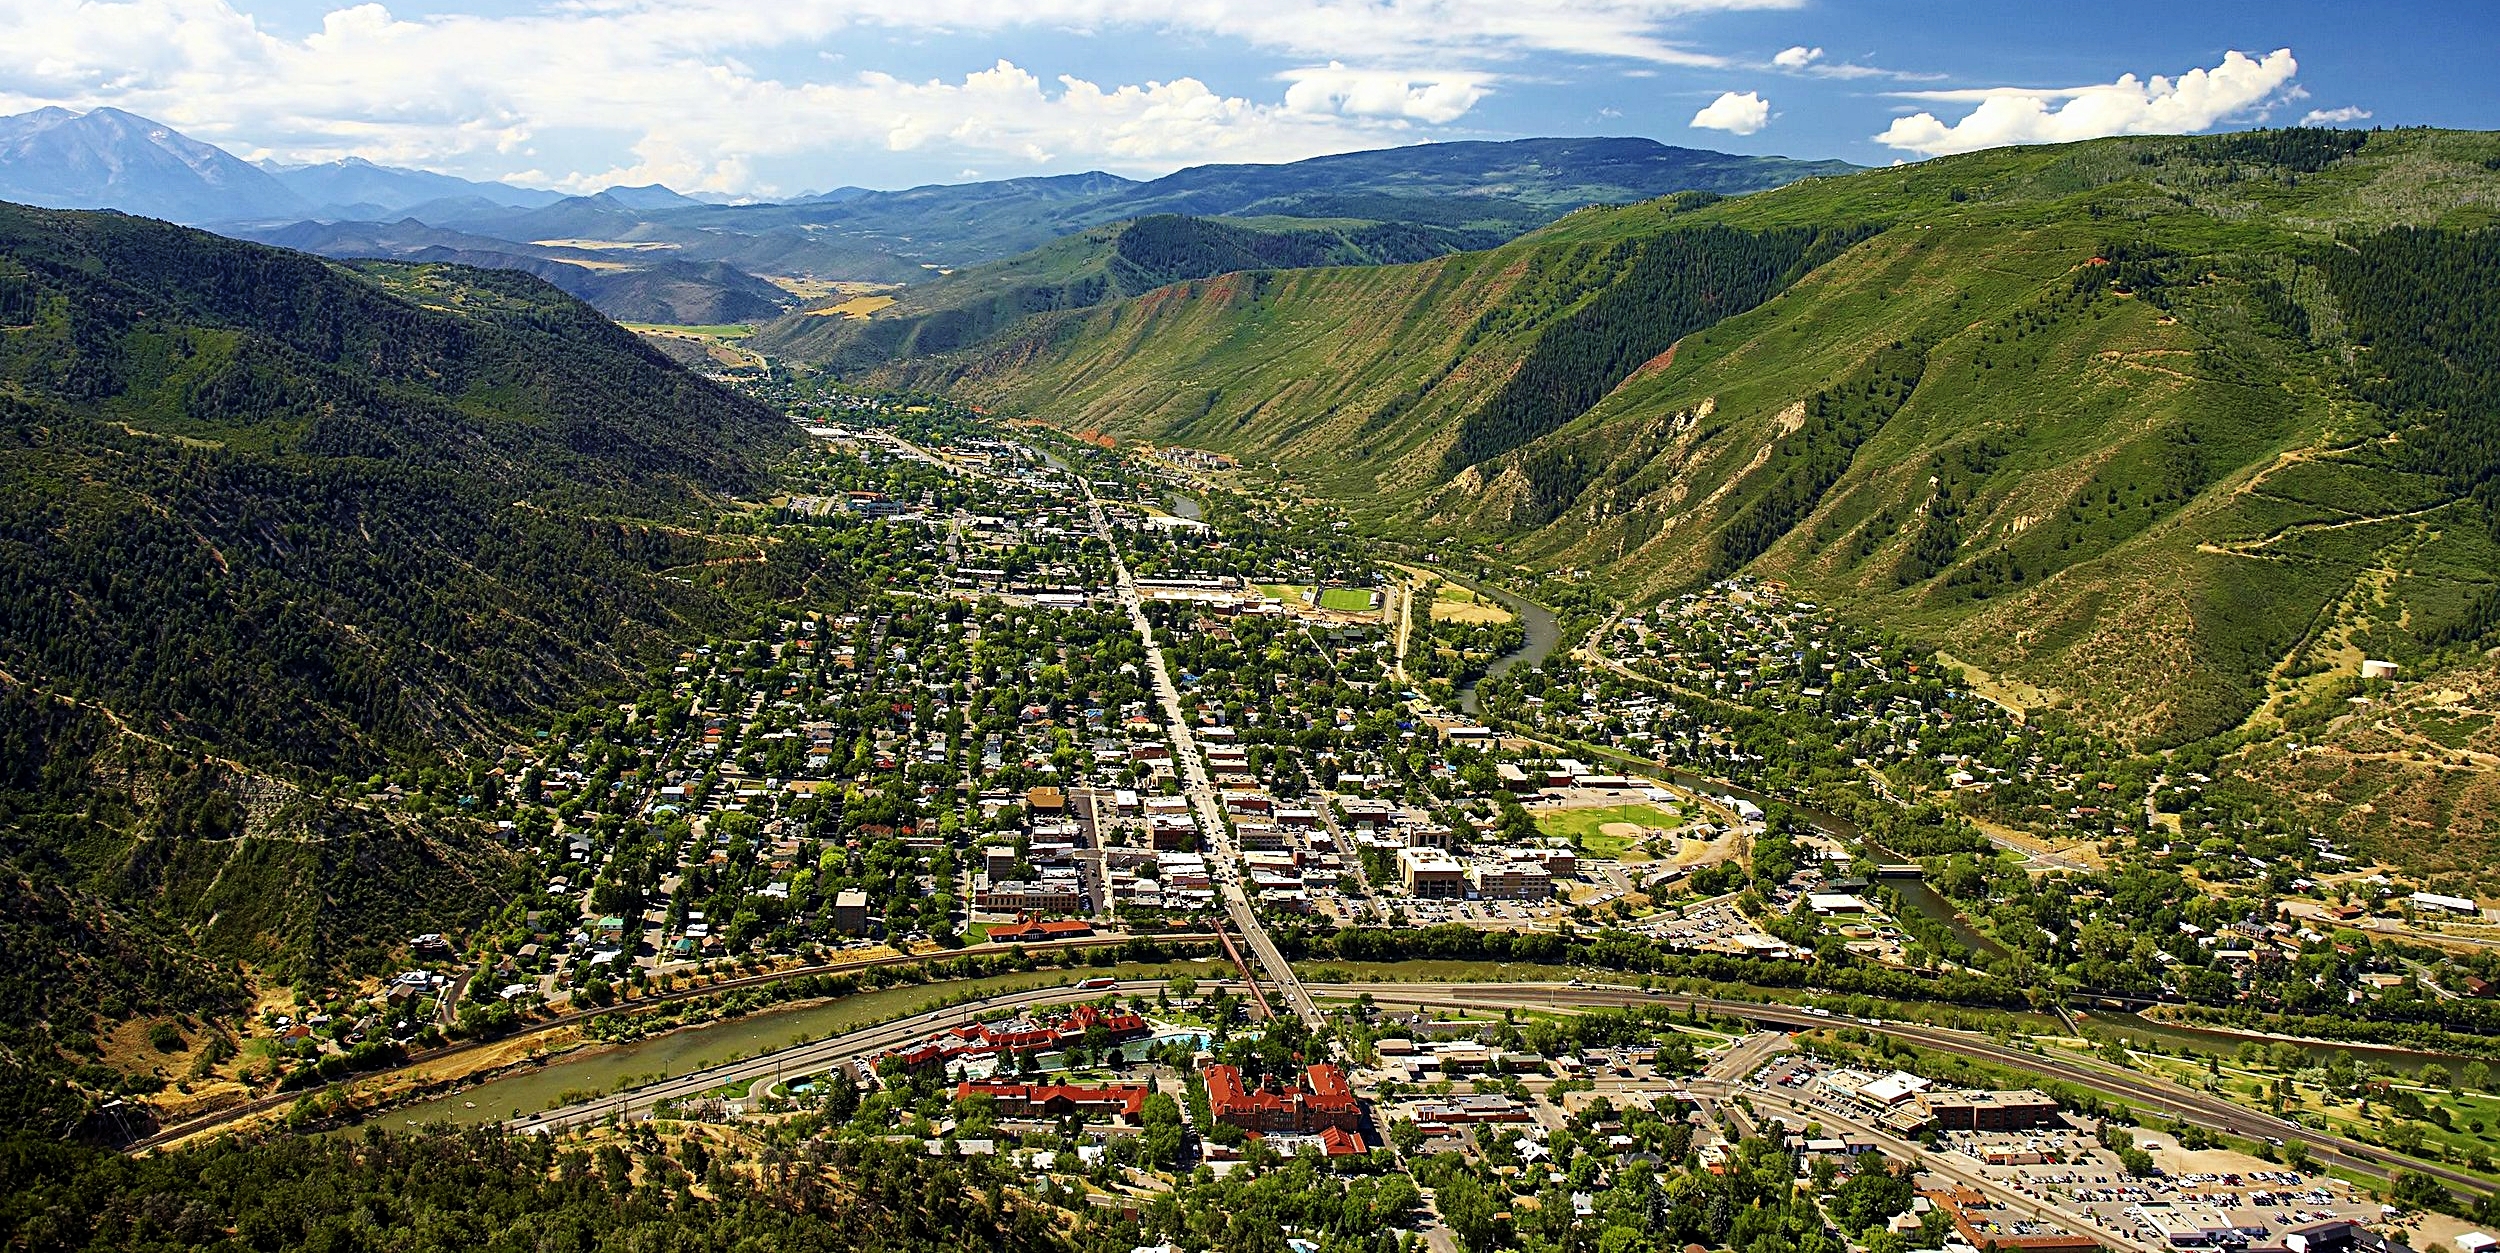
<point x="808" y="1058"/>
<point x="2201" y="1109"/>
<point x="1947" y="1165"/>
<point x="1225" y="863"/>
<point x="215" y="1119"/>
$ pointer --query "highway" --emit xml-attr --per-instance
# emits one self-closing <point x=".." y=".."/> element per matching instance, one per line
<point x="1224" y="862"/>
<point x="810" y="1058"/>
<point x="217" y="1118"/>
<point x="2201" y="1109"/>
<point x="1948" y="1165"/>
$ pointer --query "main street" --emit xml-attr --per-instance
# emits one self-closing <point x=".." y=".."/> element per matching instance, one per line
<point x="1225" y="861"/>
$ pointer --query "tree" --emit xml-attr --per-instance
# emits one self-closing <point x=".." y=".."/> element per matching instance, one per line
<point x="1164" y="1135"/>
<point x="2413" y="1190"/>
<point x="1468" y="1207"/>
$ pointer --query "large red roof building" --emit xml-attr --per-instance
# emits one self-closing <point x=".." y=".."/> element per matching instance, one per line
<point x="983" y="1039"/>
<point x="1126" y="1102"/>
<point x="1324" y="1100"/>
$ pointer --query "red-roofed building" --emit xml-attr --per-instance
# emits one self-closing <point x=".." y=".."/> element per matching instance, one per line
<point x="1338" y="1142"/>
<point x="1326" y="1100"/>
<point x="1126" y="1102"/>
<point x="1034" y="930"/>
<point x="983" y="1039"/>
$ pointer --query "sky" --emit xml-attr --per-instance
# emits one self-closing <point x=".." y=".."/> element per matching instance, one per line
<point x="766" y="98"/>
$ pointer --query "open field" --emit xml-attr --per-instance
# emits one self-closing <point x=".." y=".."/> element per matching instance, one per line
<point x="725" y="330"/>
<point x="1346" y="600"/>
<point x="1606" y="831"/>
<point x="856" y="307"/>
<point x="809" y="287"/>
<point x="606" y="245"/>
<point x="1452" y="603"/>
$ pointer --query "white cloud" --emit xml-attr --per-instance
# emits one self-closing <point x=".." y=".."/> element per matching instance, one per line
<point x="665" y="89"/>
<point x="1334" y="89"/>
<point x="2344" y="116"/>
<point x="2193" y="101"/>
<point x="1740" y="113"/>
<point x="1801" y="59"/>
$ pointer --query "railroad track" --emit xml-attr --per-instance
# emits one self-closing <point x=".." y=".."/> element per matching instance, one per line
<point x="214" y="1119"/>
<point x="2200" y="1109"/>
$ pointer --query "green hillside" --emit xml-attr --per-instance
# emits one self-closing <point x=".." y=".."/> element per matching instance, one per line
<point x="269" y="525"/>
<point x="2125" y="420"/>
<point x="973" y="306"/>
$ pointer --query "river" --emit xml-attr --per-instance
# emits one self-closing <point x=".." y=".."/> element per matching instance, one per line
<point x="597" y="1070"/>
<point x="1544" y="632"/>
<point x="2180" y="1036"/>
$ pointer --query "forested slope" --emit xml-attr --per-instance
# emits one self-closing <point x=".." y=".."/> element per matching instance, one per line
<point x="2115" y="418"/>
<point x="971" y="307"/>
<point x="269" y="524"/>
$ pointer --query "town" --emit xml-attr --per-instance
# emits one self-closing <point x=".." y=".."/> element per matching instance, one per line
<point x="1075" y="700"/>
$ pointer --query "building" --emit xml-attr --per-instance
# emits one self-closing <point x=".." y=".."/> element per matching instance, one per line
<point x="1432" y="875"/>
<point x="2445" y="904"/>
<point x="2333" y="1236"/>
<point x="1023" y="1035"/>
<point x="1125" y="1102"/>
<point x="1973" y="1215"/>
<point x="1513" y="881"/>
<point x="850" y="911"/>
<point x="1050" y="894"/>
<point x="1046" y="801"/>
<point x="1034" y="930"/>
<point x="1990" y="1111"/>
<point x="1324" y="1099"/>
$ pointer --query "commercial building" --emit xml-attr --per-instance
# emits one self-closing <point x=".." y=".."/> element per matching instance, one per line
<point x="1324" y="1099"/>
<point x="850" y="911"/>
<point x="1432" y="875"/>
<point x="1513" y="881"/>
<point x="1050" y="894"/>
<point x="1125" y="1102"/>
<point x="1988" y="1111"/>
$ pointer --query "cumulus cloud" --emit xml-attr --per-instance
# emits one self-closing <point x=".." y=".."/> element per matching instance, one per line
<point x="1334" y="89"/>
<point x="667" y="88"/>
<point x="1739" y="113"/>
<point x="1797" y="58"/>
<point x="2344" y="116"/>
<point x="2193" y="101"/>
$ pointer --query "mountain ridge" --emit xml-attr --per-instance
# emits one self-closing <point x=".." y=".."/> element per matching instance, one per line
<point x="270" y="523"/>
<point x="2019" y="395"/>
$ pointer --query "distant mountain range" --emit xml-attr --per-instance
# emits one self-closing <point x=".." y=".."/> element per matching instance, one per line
<point x="651" y="253"/>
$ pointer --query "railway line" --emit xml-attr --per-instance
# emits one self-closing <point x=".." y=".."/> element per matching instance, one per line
<point x="227" y="1115"/>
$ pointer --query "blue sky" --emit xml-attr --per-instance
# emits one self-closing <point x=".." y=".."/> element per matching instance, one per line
<point x="742" y="98"/>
